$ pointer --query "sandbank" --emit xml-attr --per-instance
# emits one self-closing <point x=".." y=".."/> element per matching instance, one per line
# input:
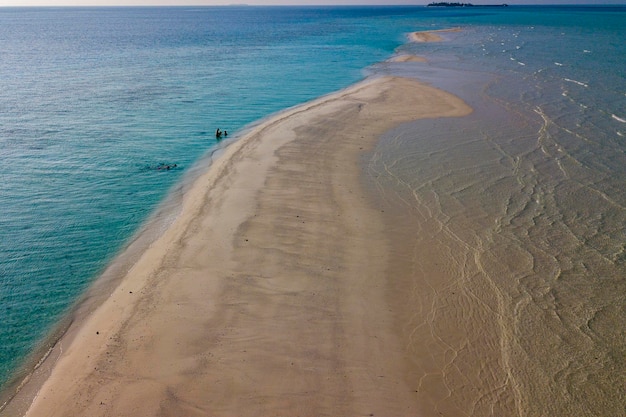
<point x="430" y="35"/>
<point x="269" y="294"/>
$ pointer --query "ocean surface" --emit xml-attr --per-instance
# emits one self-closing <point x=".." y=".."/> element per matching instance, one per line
<point x="105" y="113"/>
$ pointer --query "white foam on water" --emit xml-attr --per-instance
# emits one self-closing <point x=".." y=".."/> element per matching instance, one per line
<point x="576" y="82"/>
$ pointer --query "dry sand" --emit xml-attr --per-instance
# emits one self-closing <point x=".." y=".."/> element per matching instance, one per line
<point x="269" y="294"/>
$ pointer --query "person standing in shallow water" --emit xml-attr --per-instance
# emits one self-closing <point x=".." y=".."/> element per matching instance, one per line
<point x="218" y="133"/>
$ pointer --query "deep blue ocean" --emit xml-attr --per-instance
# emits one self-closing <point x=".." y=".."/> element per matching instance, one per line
<point x="95" y="102"/>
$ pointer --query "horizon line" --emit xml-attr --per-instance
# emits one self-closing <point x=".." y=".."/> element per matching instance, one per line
<point x="299" y="5"/>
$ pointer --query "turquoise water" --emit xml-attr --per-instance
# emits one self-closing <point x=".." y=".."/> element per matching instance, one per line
<point x="93" y="100"/>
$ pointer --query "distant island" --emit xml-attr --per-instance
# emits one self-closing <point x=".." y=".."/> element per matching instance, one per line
<point x="447" y="4"/>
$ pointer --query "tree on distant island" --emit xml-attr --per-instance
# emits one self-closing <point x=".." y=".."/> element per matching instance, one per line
<point x="448" y="4"/>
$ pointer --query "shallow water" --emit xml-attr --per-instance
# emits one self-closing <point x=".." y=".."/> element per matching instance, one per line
<point x="517" y="213"/>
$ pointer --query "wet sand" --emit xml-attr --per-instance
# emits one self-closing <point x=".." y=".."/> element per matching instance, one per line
<point x="408" y="58"/>
<point x="271" y="293"/>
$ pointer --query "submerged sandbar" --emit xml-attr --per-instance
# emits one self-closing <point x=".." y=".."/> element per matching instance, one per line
<point x="430" y="35"/>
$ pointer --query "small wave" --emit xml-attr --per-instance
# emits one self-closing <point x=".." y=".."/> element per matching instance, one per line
<point x="576" y="82"/>
<point x="558" y="64"/>
<point x="521" y="63"/>
<point x="619" y="119"/>
<point x="586" y="51"/>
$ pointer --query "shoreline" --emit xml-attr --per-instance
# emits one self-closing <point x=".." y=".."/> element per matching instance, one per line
<point x="102" y="335"/>
<point x="36" y="367"/>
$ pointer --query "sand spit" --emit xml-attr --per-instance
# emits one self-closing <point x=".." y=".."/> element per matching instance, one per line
<point x="268" y="294"/>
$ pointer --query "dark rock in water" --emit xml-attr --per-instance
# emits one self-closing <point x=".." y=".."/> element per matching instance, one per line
<point x="162" y="167"/>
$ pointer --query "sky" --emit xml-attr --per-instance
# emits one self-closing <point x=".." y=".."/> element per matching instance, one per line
<point x="279" y="2"/>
